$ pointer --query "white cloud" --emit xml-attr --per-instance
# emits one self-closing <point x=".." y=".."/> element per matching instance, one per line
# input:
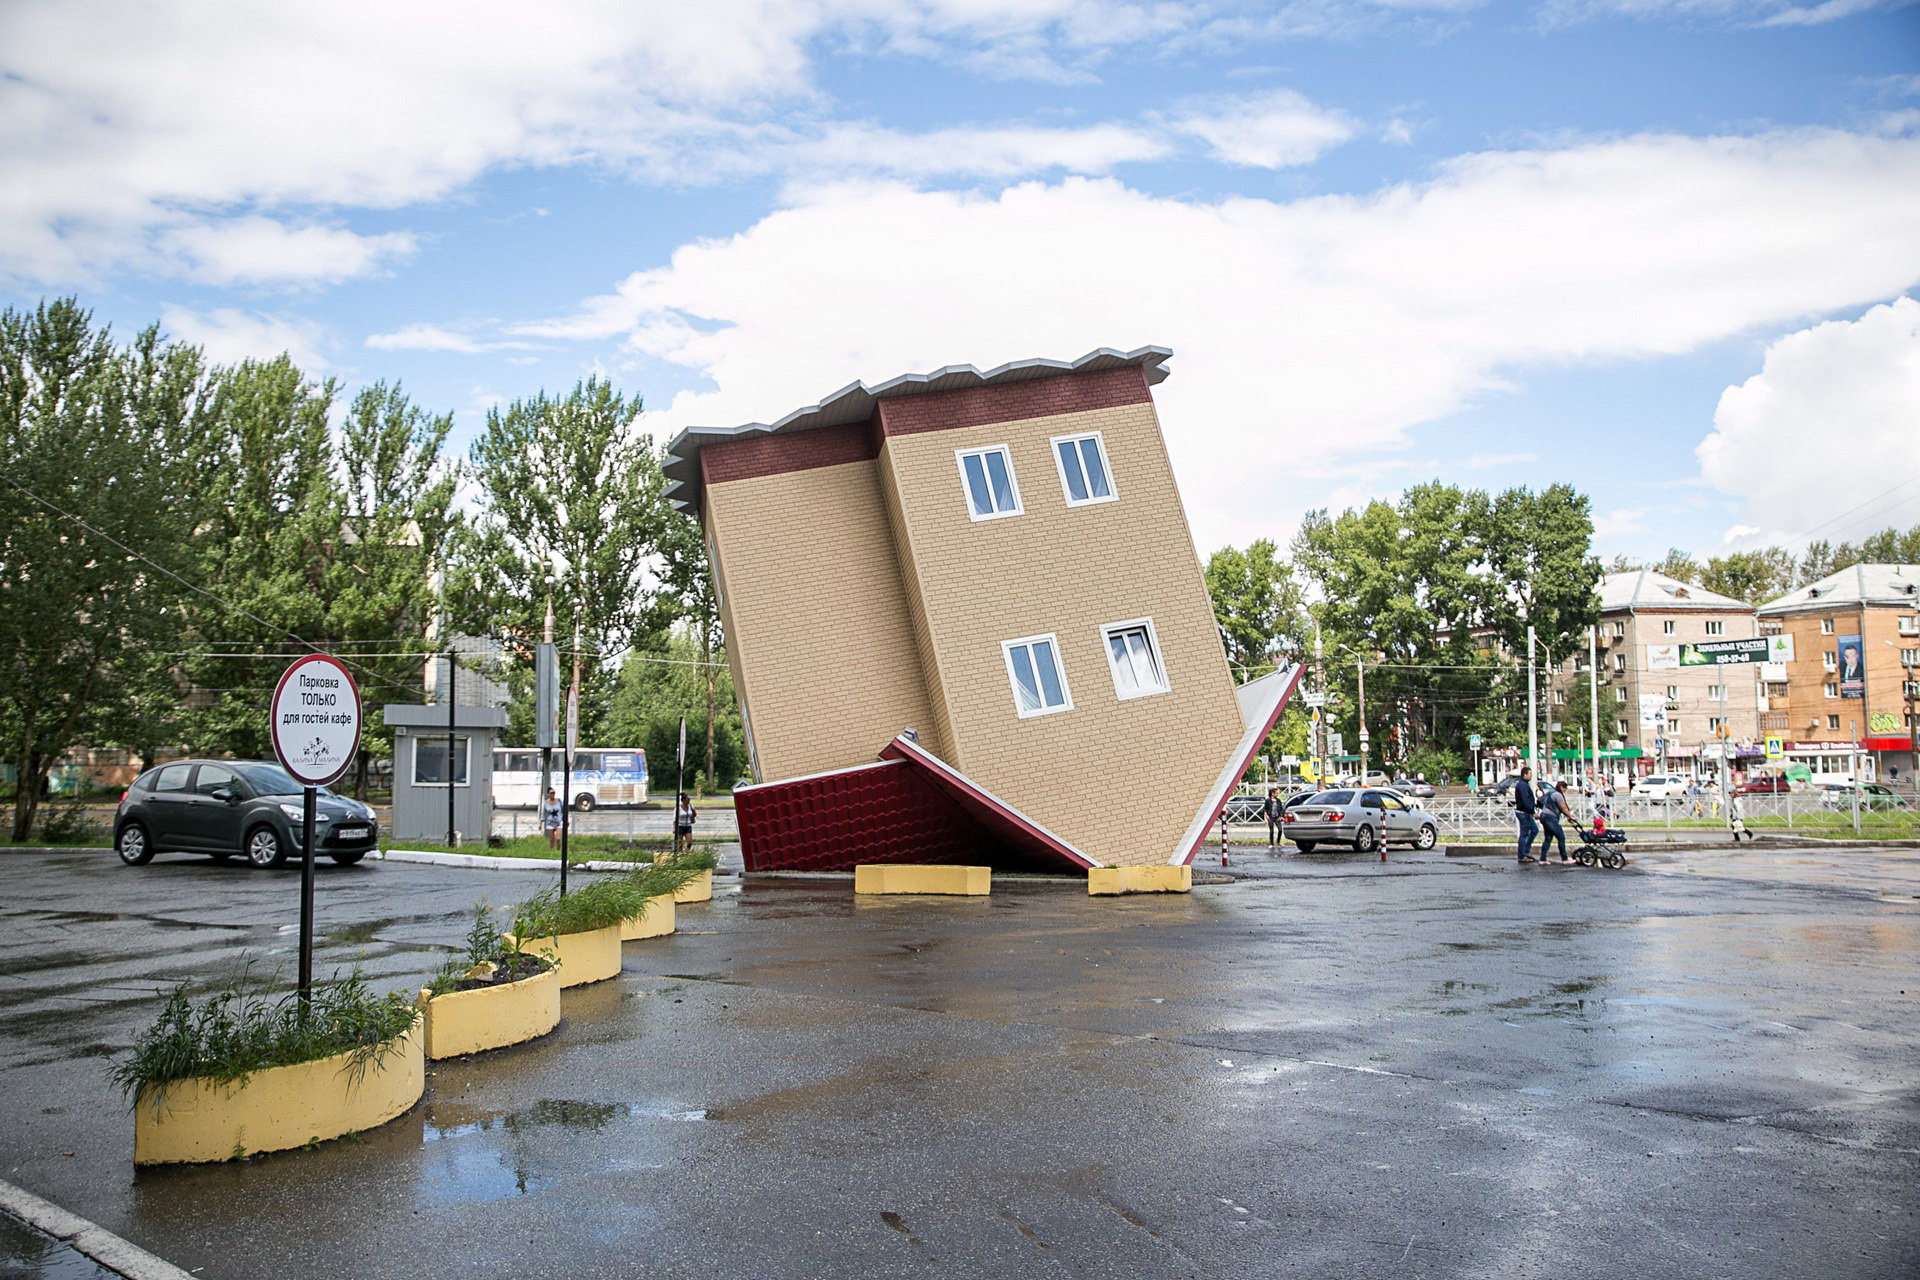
<point x="229" y="335"/>
<point x="428" y="337"/>
<point x="1814" y="440"/>
<point x="1481" y="461"/>
<point x="1272" y="131"/>
<point x="250" y="250"/>
<point x="1736" y="13"/>
<point x="1332" y="323"/>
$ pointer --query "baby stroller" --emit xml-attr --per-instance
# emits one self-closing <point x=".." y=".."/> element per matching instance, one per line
<point x="1602" y="845"/>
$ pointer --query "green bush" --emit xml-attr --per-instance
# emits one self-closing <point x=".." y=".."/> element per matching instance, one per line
<point x="238" y="1030"/>
<point x="486" y="945"/>
<point x="69" y="824"/>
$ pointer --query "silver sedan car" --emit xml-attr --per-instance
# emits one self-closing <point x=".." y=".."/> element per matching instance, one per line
<point x="1363" y="818"/>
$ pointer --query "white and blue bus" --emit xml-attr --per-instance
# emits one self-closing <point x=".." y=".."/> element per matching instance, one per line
<point x="601" y="776"/>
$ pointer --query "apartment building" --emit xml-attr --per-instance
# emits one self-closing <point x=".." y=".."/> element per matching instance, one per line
<point x="966" y="622"/>
<point x="1656" y="647"/>
<point x="1846" y="701"/>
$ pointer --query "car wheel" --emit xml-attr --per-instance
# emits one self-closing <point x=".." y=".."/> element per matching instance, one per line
<point x="133" y="846"/>
<point x="347" y="857"/>
<point x="1305" y="846"/>
<point x="1427" y="838"/>
<point x="583" y="803"/>
<point x="264" y="849"/>
<point x="1363" y="840"/>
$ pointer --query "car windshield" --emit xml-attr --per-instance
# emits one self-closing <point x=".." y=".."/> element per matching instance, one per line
<point x="1332" y="797"/>
<point x="268" y="779"/>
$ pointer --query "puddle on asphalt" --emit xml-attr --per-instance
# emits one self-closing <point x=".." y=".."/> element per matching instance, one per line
<point x="471" y="1173"/>
<point x="26" y="1253"/>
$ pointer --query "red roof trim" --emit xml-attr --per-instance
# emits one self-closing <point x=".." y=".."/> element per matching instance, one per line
<point x="902" y="749"/>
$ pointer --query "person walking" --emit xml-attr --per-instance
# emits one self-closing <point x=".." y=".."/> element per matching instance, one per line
<point x="1524" y="807"/>
<point x="683" y="816"/>
<point x="1554" y="807"/>
<point x="550" y="818"/>
<point x="1272" y="809"/>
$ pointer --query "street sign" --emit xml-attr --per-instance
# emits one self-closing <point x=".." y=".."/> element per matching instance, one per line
<point x="1473" y="742"/>
<point x="1336" y="744"/>
<point x="1314" y="699"/>
<point x="315" y="720"/>
<point x="1775" y="749"/>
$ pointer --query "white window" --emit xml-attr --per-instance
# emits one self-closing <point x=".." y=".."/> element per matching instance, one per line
<point x="1673" y="691"/>
<point x="1133" y="651"/>
<point x="987" y="476"/>
<point x="1826" y="626"/>
<point x="1910" y="657"/>
<point x="1084" y="475"/>
<point x="1714" y="628"/>
<point x="1833" y="722"/>
<point x="1619" y="662"/>
<point x="1716" y="691"/>
<point x="1619" y="630"/>
<point x="1713" y="724"/>
<point x="1828" y="662"/>
<point x="1033" y="666"/>
<point x="1559" y="697"/>
<point x="1666" y="628"/>
<point x="1910" y="626"/>
<point x="713" y="567"/>
<point x="1673" y="728"/>
<point x="1620" y="727"/>
<point x="430" y="760"/>
<point x="1832" y="689"/>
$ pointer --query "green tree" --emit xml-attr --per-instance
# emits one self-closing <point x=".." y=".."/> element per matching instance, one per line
<point x="1540" y="547"/>
<point x="1752" y="576"/>
<point x="85" y="441"/>
<point x="1680" y="566"/>
<point x="687" y="596"/>
<point x="571" y="503"/>
<point x="1257" y="604"/>
<point x="657" y="687"/>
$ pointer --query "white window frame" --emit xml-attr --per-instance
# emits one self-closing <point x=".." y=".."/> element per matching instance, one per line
<point x="439" y="740"/>
<point x="1013" y="680"/>
<point x="1833" y="722"/>
<point x="1145" y="625"/>
<point x="1831" y="689"/>
<point x="713" y="567"/>
<point x="1826" y="626"/>
<point x="960" y="457"/>
<point x="1666" y="627"/>
<point x="1715" y="627"/>
<point x="1106" y="464"/>
<point x="1829" y="662"/>
<point x="1673" y="691"/>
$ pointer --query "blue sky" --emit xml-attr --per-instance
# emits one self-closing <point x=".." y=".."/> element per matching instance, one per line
<point x="1662" y="250"/>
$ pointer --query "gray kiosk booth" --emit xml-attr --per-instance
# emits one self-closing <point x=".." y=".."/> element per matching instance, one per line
<point x="422" y="779"/>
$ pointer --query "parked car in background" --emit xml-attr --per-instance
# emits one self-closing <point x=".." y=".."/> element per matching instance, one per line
<point x="1662" y="787"/>
<point x="1873" y="795"/>
<point x="1363" y="817"/>
<point x="1247" y="806"/>
<point x="248" y="808"/>
<point x="1767" y="784"/>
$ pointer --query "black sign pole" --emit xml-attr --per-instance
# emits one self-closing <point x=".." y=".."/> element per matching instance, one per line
<point x="566" y="793"/>
<point x="306" y="896"/>
<point x="452" y="717"/>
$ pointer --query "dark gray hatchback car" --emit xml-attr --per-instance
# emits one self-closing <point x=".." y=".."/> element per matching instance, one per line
<point x="229" y="808"/>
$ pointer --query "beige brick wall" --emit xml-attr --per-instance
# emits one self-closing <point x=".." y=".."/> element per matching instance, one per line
<point x="1118" y="779"/>
<point x="818" y="629"/>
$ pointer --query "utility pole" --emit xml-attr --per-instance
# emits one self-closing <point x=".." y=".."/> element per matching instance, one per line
<point x="1533" y="710"/>
<point x="1319" y="744"/>
<point x="1360" y="667"/>
<point x="1593" y="701"/>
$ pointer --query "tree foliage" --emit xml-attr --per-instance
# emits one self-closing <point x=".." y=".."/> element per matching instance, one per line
<point x="1258" y="607"/>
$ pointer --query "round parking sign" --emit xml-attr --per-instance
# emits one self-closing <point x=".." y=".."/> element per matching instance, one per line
<point x="316" y="720"/>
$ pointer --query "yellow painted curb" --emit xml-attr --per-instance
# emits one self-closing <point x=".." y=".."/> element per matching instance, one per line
<point x="896" y="877"/>
<point x="463" y="1022"/>
<point x="698" y="889"/>
<point x="655" y="922"/>
<point x="593" y="956"/>
<point x="280" y="1108"/>
<point x="1160" y="879"/>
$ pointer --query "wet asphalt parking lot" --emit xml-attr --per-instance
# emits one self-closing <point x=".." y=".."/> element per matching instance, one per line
<point x="1704" y="1065"/>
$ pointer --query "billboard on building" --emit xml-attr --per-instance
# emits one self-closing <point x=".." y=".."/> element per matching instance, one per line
<point x="1653" y="710"/>
<point x="1853" y="676"/>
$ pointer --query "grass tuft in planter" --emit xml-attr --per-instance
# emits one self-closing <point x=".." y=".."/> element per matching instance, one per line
<point x="502" y="955"/>
<point x="667" y="876"/>
<point x="228" y="1035"/>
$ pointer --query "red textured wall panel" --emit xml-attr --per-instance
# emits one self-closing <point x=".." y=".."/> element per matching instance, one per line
<point x="836" y="821"/>
<point x="792" y="451"/>
<point x="1011" y="402"/>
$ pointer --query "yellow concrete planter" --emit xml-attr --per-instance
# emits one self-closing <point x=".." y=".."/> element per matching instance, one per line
<point x="593" y="956"/>
<point x="1156" y="879"/>
<point x="280" y="1108"/>
<point x="900" y="877"/>
<point x="463" y="1022"/>
<point x="698" y="889"/>
<point x="656" y="922"/>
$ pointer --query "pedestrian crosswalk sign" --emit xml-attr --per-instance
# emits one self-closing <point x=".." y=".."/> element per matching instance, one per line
<point x="1775" y="749"/>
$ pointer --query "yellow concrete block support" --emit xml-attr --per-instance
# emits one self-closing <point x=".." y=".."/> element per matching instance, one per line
<point x="463" y="1022"/>
<point x="896" y="877"/>
<point x="655" y="922"/>
<point x="592" y="956"/>
<point x="280" y="1108"/>
<point x="1155" y="879"/>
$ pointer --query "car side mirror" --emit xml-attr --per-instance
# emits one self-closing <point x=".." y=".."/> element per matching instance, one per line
<point x="223" y="793"/>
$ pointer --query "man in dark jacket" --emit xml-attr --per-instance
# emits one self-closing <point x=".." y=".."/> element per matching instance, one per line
<point x="1524" y="806"/>
<point x="1272" y="809"/>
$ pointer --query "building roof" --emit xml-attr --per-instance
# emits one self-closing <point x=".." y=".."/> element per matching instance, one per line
<point x="1647" y="591"/>
<point x="1857" y="584"/>
<point x="855" y="402"/>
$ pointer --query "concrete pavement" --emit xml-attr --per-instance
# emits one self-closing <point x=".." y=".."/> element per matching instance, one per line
<point x="1701" y="1065"/>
